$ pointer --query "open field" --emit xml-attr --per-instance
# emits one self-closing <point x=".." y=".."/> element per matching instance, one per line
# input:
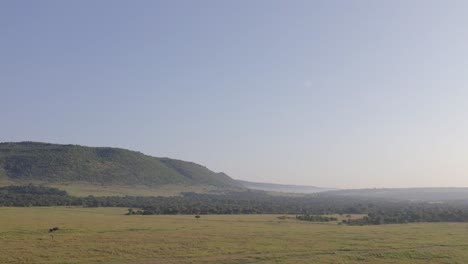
<point x="86" y="189"/>
<point x="80" y="190"/>
<point x="106" y="235"/>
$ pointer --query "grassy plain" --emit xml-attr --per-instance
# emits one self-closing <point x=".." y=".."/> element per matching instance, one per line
<point x="106" y="235"/>
<point x="85" y="189"/>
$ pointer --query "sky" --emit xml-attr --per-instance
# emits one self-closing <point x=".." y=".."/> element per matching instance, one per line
<point x="347" y="94"/>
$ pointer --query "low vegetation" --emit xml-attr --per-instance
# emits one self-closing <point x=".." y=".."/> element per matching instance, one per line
<point x="316" y="218"/>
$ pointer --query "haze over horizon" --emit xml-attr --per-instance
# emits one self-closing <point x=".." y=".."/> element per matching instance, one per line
<point x="346" y="94"/>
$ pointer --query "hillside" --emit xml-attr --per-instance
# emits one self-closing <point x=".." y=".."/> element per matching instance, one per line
<point x="53" y="163"/>
<point x="271" y="187"/>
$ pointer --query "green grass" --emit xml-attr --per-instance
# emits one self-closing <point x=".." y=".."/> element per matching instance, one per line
<point x="84" y="189"/>
<point x="106" y="235"/>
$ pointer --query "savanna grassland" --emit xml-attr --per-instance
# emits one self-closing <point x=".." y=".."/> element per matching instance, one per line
<point x="106" y="235"/>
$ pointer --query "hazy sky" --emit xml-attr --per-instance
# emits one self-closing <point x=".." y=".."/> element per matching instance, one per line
<point x="329" y="93"/>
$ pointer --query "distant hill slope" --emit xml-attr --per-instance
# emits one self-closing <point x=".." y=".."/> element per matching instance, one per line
<point x="53" y="163"/>
<point x="411" y="194"/>
<point x="272" y="187"/>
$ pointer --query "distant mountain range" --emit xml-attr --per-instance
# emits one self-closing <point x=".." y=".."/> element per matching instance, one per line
<point x="54" y="163"/>
<point x="272" y="187"/>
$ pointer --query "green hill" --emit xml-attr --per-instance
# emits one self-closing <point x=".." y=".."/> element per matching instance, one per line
<point x="56" y="164"/>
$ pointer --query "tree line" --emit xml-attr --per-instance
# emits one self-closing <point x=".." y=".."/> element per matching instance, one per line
<point x="309" y="207"/>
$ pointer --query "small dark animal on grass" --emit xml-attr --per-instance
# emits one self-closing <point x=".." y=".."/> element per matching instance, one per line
<point x="197" y="216"/>
<point x="53" y="229"/>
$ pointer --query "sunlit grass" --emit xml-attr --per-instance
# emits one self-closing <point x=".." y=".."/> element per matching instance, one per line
<point x="77" y="189"/>
<point x="86" y="189"/>
<point x="106" y="235"/>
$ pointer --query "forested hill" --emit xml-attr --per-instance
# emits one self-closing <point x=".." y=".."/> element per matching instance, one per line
<point x="53" y="163"/>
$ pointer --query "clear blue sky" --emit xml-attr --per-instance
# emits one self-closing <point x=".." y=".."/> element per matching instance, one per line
<point x="328" y="93"/>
